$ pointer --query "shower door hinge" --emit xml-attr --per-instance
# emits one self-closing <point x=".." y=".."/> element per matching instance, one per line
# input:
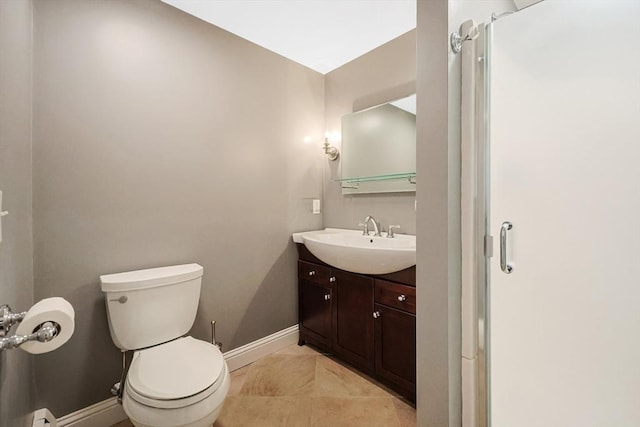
<point x="488" y="246"/>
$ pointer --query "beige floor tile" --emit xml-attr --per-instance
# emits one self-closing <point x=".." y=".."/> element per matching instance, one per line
<point x="257" y="411"/>
<point x="406" y="413"/>
<point x="299" y="350"/>
<point x="237" y="380"/>
<point x="125" y="423"/>
<point x="353" y="412"/>
<point x="336" y="380"/>
<point x="280" y="375"/>
<point x="299" y="387"/>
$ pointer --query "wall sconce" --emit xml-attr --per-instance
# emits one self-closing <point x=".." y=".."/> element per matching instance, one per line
<point x="330" y="150"/>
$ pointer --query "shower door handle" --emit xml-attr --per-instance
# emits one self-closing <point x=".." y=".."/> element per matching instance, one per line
<point x="504" y="264"/>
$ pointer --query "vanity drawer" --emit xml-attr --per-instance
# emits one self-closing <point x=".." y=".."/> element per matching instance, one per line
<point x="313" y="273"/>
<point x="395" y="295"/>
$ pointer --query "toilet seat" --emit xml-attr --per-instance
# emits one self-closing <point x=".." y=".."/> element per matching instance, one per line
<point x="175" y="374"/>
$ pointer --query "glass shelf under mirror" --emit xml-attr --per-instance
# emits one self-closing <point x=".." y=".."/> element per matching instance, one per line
<point x="354" y="182"/>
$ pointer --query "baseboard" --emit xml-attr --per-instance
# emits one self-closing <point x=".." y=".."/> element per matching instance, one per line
<point x="109" y="412"/>
<point x="102" y="414"/>
<point x="249" y="353"/>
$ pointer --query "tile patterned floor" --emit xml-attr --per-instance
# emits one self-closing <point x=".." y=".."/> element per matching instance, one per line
<point x="299" y="387"/>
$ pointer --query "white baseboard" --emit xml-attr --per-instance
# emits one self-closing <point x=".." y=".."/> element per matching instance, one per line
<point x="249" y="353"/>
<point x="109" y="412"/>
<point x="102" y="414"/>
<point x="43" y="418"/>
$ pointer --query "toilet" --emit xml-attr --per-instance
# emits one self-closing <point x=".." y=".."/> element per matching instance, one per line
<point x="173" y="380"/>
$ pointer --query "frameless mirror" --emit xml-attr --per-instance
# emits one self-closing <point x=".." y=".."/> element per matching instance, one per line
<point x="379" y="148"/>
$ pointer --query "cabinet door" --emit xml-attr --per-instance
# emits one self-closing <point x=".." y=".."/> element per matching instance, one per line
<point x="315" y="310"/>
<point x="395" y="333"/>
<point x="353" y="324"/>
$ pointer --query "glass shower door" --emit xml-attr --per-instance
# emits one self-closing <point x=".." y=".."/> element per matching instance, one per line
<point x="564" y="213"/>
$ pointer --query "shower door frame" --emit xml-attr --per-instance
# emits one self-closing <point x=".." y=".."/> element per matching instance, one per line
<point x="476" y="242"/>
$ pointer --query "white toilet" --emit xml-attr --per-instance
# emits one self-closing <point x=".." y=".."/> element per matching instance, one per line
<point x="174" y="380"/>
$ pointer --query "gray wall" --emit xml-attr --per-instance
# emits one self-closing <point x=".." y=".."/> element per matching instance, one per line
<point x="438" y="220"/>
<point x="385" y="73"/>
<point x="158" y="140"/>
<point x="16" y="249"/>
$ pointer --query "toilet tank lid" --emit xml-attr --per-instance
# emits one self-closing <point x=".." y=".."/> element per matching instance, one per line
<point x="149" y="278"/>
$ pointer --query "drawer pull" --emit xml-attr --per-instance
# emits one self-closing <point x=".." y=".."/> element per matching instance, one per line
<point x="402" y="298"/>
<point x="376" y="314"/>
<point x="312" y="273"/>
<point x="332" y="279"/>
<point x="327" y="297"/>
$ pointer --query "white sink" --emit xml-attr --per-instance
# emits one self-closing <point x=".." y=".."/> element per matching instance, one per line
<point x="351" y="251"/>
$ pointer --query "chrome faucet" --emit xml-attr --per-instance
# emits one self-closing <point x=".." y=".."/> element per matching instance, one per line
<point x="376" y="230"/>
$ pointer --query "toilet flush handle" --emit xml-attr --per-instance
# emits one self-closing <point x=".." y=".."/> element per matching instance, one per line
<point x="121" y="300"/>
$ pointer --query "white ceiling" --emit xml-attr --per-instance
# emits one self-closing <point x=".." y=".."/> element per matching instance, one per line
<point x="406" y="104"/>
<point x="320" y="34"/>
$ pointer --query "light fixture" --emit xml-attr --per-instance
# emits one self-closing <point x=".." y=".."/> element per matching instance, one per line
<point x="329" y="149"/>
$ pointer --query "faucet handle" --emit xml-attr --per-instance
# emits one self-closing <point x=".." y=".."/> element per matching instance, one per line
<point x="365" y="229"/>
<point x="390" y="233"/>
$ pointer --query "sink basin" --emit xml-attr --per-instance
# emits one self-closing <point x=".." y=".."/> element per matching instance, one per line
<point x="351" y="251"/>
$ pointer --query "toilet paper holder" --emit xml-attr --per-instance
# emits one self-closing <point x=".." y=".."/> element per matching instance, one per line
<point x="8" y="318"/>
<point x="43" y="333"/>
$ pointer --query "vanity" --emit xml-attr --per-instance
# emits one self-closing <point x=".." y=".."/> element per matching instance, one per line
<point x="357" y="288"/>
<point x="366" y="320"/>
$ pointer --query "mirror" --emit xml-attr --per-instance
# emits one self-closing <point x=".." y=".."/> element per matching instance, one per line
<point x="379" y="148"/>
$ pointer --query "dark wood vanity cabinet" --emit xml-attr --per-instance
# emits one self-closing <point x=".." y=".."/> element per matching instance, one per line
<point x="353" y="326"/>
<point x="315" y="308"/>
<point x="395" y="333"/>
<point x="367" y="321"/>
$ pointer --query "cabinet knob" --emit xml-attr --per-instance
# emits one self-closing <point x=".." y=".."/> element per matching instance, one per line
<point x="327" y="297"/>
<point x="402" y="298"/>
<point x="332" y="279"/>
<point x="312" y="273"/>
<point x="376" y="314"/>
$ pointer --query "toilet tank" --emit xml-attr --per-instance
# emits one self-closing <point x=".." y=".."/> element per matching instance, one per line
<point x="149" y="307"/>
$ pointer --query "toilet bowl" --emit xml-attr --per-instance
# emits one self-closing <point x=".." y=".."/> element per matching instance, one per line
<point x="180" y="383"/>
<point x="173" y="380"/>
